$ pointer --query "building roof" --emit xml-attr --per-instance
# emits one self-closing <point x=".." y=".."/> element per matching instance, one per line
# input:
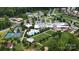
<point x="30" y="40"/>
<point x="74" y="27"/>
<point x="10" y="45"/>
<point x="17" y="28"/>
<point x="40" y="13"/>
<point x="28" y="25"/>
<point x="16" y="19"/>
<point x="35" y="14"/>
<point x="60" y="24"/>
<point x="32" y="32"/>
<point x="49" y="25"/>
<point x="29" y="14"/>
<point x="75" y="11"/>
<point x="39" y="24"/>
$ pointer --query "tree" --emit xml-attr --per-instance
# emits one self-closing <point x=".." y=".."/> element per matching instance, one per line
<point x="24" y="16"/>
<point x="6" y="18"/>
<point x="51" y="44"/>
<point x="4" y="23"/>
<point x="61" y="41"/>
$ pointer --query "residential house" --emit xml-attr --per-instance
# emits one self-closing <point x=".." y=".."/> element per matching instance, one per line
<point x="32" y="32"/>
<point x="9" y="45"/>
<point x="30" y="40"/>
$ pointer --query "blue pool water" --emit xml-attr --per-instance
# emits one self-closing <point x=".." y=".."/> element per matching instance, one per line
<point x="13" y="35"/>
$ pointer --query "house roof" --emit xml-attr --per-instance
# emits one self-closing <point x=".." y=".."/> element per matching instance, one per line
<point x="32" y="32"/>
<point x="28" y="25"/>
<point x="30" y="40"/>
<point x="10" y="45"/>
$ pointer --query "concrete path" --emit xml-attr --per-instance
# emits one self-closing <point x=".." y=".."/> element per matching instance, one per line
<point x="23" y="35"/>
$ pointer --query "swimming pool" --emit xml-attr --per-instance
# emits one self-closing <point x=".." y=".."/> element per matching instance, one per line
<point x="13" y="35"/>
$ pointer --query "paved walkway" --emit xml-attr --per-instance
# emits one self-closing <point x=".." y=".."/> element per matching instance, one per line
<point x="23" y="35"/>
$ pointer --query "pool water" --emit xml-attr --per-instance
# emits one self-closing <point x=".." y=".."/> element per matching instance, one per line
<point x="13" y="35"/>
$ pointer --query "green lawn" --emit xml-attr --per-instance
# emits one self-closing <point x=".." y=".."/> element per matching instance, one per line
<point x="1" y="33"/>
<point x="18" y="47"/>
<point x="43" y="36"/>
